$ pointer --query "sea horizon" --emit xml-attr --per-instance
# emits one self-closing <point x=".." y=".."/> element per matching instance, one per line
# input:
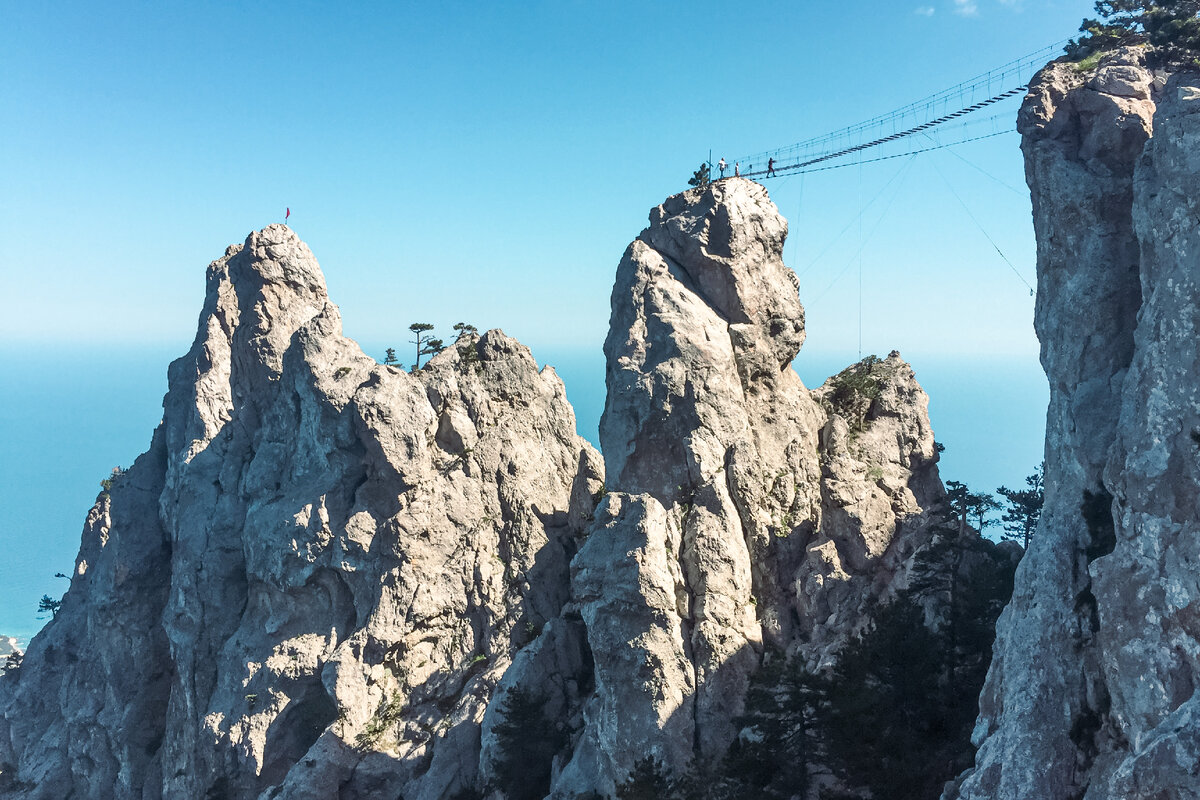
<point x="72" y="413"/>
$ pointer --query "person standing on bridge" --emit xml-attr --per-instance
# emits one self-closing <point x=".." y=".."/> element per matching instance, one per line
<point x="770" y="167"/>
<point x="721" y="165"/>
<point x="737" y="169"/>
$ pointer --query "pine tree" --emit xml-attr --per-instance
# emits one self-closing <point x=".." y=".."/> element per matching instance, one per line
<point x="980" y="506"/>
<point x="701" y="177"/>
<point x="958" y="502"/>
<point x="1023" y="508"/>
<point x="942" y="571"/>
<point x="896" y="712"/>
<point x="426" y="345"/>
<point x="648" y="781"/>
<point x="49" y="604"/>
<point x="462" y="329"/>
<point x="772" y="756"/>
<point x="419" y="329"/>
<point x="1172" y="27"/>
<point x="883" y="716"/>
<point x="433" y="347"/>
<point x="389" y="358"/>
<point x="527" y="742"/>
<point x="965" y="505"/>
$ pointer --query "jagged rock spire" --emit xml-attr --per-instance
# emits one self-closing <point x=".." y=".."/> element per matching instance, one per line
<point x="728" y="524"/>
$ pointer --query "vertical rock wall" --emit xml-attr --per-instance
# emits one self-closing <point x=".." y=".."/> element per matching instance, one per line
<point x="1091" y="689"/>
<point x="1148" y="589"/>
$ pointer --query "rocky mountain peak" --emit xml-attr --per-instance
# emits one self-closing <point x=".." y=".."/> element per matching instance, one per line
<point x="1099" y="119"/>
<point x="726" y="239"/>
<point x="278" y="285"/>
<point x="277" y="255"/>
<point x="729" y="528"/>
<point x="319" y="558"/>
<point x="332" y="577"/>
<point x="704" y="307"/>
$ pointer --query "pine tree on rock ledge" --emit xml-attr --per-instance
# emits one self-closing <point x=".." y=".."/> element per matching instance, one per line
<point x="1172" y="28"/>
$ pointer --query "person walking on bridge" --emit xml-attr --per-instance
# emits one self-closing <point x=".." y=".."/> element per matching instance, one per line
<point x="770" y="167"/>
<point x="721" y="165"/>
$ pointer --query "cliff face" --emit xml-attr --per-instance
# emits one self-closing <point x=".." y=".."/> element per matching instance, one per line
<point x="333" y="578"/>
<point x="1092" y="690"/>
<point x="742" y="511"/>
<point x="316" y="575"/>
<point x="1153" y="574"/>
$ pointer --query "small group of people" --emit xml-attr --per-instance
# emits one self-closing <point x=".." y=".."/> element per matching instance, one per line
<point x="722" y="165"/>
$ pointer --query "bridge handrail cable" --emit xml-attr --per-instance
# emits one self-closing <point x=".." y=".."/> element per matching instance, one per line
<point x="824" y="148"/>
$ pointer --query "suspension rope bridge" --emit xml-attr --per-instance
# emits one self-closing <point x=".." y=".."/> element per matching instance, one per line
<point x="932" y="114"/>
<point x="940" y="121"/>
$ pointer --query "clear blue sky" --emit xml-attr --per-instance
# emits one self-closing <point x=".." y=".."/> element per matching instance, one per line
<point x="486" y="162"/>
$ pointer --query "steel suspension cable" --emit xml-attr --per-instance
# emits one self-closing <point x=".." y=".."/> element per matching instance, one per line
<point x="839" y="144"/>
<point x="982" y="230"/>
<point x="888" y="139"/>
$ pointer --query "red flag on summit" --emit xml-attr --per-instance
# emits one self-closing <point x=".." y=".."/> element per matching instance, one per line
<point x="288" y="214"/>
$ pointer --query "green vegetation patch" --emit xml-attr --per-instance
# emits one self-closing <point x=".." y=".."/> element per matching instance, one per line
<point x="1170" y="27"/>
<point x="1089" y="63"/>
<point x="383" y="720"/>
<point x="853" y="391"/>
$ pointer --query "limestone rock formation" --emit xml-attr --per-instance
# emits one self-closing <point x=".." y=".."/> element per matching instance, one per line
<point x="328" y="577"/>
<point x="1092" y="690"/>
<point x="1148" y="589"/>
<point x="312" y="582"/>
<point x="742" y="511"/>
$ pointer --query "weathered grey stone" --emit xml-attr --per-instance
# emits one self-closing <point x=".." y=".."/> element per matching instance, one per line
<point x="1092" y="689"/>
<point x="728" y="525"/>
<point x="1148" y="589"/>
<point x="630" y="589"/>
<point x="1035" y="731"/>
<point x="311" y="584"/>
<point x="1122" y="80"/>
<point x="879" y="486"/>
<point x="327" y="574"/>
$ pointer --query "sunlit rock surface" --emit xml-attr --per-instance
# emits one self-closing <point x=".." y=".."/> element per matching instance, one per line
<point x="737" y="516"/>
<point x="1092" y="689"/>
<point x="326" y="575"/>
<point x="313" y="580"/>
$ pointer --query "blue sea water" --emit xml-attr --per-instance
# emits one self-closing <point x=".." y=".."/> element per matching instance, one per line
<point x="69" y="416"/>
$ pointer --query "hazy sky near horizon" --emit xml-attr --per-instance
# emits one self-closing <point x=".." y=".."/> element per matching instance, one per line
<point x="483" y="162"/>
<point x="489" y="162"/>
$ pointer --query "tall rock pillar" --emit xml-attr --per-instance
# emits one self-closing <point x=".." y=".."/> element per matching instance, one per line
<point x="1091" y="692"/>
<point x="707" y="433"/>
